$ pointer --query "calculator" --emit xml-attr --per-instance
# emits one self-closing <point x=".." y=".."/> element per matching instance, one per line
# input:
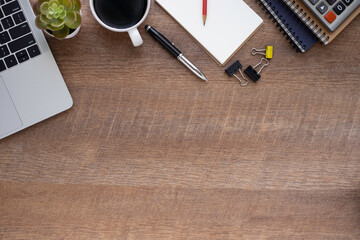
<point x="332" y="13"/>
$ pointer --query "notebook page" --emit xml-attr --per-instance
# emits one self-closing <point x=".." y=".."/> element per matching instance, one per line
<point x="229" y="24"/>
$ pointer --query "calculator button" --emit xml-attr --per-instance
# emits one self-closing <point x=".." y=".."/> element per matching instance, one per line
<point x="331" y="2"/>
<point x="314" y="1"/>
<point x="330" y="17"/>
<point x="347" y="2"/>
<point x="339" y="8"/>
<point x="321" y="7"/>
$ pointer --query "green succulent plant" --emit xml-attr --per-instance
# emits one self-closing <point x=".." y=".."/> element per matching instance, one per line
<point x="58" y="16"/>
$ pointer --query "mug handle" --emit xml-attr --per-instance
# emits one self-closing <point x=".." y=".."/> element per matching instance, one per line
<point x="135" y="37"/>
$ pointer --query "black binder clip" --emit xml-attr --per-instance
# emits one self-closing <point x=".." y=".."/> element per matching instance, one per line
<point x="253" y="75"/>
<point x="236" y="66"/>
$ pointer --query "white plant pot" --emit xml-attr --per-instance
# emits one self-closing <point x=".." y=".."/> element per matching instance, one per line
<point x="73" y="34"/>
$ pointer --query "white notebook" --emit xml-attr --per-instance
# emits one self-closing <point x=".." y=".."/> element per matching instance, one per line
<point x="229" y="24"/>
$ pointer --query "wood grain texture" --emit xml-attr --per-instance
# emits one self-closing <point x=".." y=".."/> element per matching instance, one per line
<point x="150" y="152"/>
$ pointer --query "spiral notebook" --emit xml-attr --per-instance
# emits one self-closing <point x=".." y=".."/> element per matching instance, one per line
<point x="230" y="23"/>
<point x="309" y="19"/>
<point x="288" y="22"/>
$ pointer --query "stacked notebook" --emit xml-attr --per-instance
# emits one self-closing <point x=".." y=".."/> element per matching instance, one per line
<point x="288" y="22"/>
<point x="300" y="24"/>
<point x="309" y="19"/>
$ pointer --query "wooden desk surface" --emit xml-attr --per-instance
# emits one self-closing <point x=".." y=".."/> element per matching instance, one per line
<point x="150" y="152"/>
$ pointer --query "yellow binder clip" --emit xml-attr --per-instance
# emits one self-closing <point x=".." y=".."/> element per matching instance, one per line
<point x="268" y="52"/>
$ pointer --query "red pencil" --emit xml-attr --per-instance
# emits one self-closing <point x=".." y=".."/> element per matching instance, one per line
<point x="204" y="10"/>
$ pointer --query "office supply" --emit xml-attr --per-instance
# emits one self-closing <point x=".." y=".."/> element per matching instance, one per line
<point x="288" y="22"/>
<point x="31" y="86"/>
<point x="312" y="22"/>
<point x="252" y="73"/>
<point x="231" y="24"/>
<point x="332" y="13"/>
<point x="267" y="52"/>
<point x="121" y="16"/>
<point x="174" y="51"/>
<point x="204" y="11"/>
<point x="235" y="67"/>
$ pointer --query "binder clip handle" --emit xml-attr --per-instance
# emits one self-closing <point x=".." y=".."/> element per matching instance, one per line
<point x="262" y="67"/>
<point x="267" y="52"/>
<point x="244" y="81"/>
<point x="255" y="51"/>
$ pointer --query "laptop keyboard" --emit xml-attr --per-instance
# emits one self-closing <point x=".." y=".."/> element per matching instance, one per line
<point x="17" y="43"/>
<point x="332" y="13"/>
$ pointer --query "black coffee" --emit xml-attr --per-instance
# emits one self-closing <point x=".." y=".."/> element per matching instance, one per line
<point x="120" y="13"/>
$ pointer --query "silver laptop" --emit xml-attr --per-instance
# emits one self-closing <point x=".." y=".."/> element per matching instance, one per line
<point x="31" y="86"/>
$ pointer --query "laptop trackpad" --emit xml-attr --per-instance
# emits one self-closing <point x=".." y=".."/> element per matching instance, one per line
<point x="9" y="118"/>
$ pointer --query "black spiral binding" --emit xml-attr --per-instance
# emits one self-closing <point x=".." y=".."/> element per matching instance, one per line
<point x="282" y="27"/>
<point x="319" y="33"/>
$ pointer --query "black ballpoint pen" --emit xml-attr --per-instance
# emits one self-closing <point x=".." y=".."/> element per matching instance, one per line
<point x="174" y="51"/>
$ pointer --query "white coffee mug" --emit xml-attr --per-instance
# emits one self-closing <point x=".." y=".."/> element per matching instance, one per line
<point x="133" y="31"/>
